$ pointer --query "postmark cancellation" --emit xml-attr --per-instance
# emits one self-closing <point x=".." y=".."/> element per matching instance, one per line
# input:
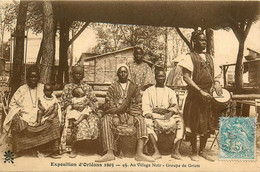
<point x="237" y="138"/>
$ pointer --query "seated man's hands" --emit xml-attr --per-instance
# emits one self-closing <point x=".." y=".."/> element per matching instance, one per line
<point x="168" y="115"/>
<point x="116" y="120"/>
<point x="160" y="111"/>
<point x="130" y="120"/>
<point x="149" y="116"/>
<point x="123" y="118"/>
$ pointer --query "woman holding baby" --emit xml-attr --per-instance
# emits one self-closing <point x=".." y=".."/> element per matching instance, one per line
<point x="33" y="134"/>
<point x="80" y="117"/>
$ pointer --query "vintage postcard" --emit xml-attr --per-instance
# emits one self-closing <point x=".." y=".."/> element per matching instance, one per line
<point x="129" y="85"/>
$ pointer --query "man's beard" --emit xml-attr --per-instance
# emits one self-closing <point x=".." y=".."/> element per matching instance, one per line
<point x="32" y="85"/>
<point x="122" y="80"/>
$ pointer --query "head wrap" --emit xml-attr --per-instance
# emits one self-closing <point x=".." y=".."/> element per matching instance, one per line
<point x="121" y="65"/>
<point x="77" y="68"/>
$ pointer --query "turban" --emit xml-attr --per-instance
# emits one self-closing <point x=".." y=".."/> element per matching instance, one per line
<point x="121" y="65"/>
<point x="77" y="68"/>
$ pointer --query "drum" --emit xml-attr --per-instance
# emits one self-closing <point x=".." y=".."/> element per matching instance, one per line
<point x="165" y="142"/>
<point x="222" y="99"/>
<point x="166" y="135"/>
<point x="126" y="140"/>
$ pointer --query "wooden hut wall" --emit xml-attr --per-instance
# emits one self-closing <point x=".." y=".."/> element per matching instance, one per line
<point x="254" y="73"/>
<point x="103" y="68"/>
<point x="106" y="66"/>
<point x="89" y="71"/>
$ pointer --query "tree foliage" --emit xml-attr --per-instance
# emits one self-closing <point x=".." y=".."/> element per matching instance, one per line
<point x="114" y="37"/>
<point x="34" y="19"/>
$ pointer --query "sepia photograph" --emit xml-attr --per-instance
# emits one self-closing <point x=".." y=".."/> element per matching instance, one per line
<point x="129" y="85"/>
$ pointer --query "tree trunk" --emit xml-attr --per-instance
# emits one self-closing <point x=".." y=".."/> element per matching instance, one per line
<point x="63" y="59"/>
<point x="210" y="41"/>
<point x="48" y="51"/>
<point x="239" y="66"/>
<point x="19" y="48"/>
<point x="241" y="33"/>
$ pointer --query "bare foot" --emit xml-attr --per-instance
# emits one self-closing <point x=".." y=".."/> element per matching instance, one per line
<point x="143" y="157"/>
<point x="55" y="156"/>
<point x="176" y="156"/>
<point x="156" y="155"/>
<point x="206" y="156"/>
<point x="73" y="154"/>
<point x="106" y="157"/>
<point x="194" y="157"/>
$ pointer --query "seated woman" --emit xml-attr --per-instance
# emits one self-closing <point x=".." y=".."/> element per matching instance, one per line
<point x="22" y="120"/>
<point x="89" y="127"/>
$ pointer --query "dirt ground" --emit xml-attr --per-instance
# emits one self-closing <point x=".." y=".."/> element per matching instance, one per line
<point x="85" y="161"/>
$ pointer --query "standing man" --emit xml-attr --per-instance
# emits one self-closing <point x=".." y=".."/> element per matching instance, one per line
<point x="123" y="106"/>
<point x="160" y="107"/>
<point x="198" y="73"/>
<point x="140" y="73"/>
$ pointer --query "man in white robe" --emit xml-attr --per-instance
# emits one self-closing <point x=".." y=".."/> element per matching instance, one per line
<point x="160" y="107"/>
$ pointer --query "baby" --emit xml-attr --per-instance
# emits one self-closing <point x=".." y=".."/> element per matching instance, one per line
<point x="48" y="105"/>
<point x="76" y="116"/>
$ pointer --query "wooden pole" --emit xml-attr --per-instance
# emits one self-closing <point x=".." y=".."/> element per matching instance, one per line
<point x="63" y="55"/>
<point x="210" y="41"/>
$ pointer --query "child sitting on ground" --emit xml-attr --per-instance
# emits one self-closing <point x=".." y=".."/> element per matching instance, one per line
<point x="76" y="116"/>
<point x="48" y="105"/>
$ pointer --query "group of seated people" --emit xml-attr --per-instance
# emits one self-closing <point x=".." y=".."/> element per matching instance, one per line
<point x="38" y="122"/>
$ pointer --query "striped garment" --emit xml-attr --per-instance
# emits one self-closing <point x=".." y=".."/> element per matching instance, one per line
<point x="127" y="102"/>
<point x="108" y="131"/>
<point x="45" y="136"/>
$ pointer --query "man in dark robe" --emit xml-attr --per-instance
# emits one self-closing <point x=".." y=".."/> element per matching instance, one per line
<point x="198" y="73"/>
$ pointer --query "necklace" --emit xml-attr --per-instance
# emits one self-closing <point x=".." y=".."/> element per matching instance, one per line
<point x="123" y="93"/>
<point x="157" y="101"/>
<point x="124" y="90"/>
<point x="33" y="102"/>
